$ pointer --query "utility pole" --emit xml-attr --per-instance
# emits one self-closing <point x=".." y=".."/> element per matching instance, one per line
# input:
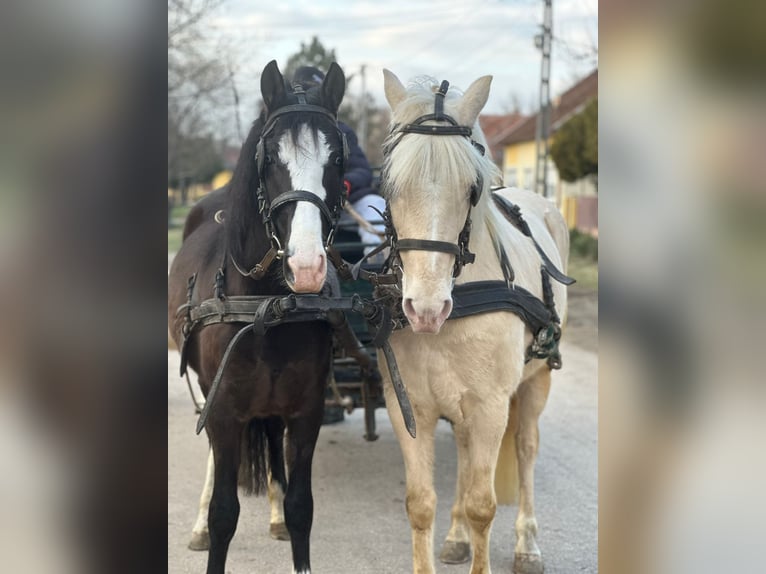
<point x="543" y="43"/>
<point x="362" y="135"/>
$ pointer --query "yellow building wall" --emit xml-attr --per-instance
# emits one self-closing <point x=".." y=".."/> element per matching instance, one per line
<point x="569" y="210"/>
<point x="521" y="157"/>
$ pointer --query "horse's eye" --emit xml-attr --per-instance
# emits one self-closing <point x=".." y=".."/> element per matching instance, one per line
<point x="338" y="160"/>
<point x="267" y="159"/>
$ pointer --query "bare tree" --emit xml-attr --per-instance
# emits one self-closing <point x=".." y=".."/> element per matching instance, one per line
<point x="200" y="84"/>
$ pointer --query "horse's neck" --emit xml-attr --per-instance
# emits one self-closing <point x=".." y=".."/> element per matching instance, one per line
<point x="481" y="244"/>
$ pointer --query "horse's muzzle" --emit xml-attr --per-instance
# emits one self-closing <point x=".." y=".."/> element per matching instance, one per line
<point x="427" y="316"/>
<point x="306" y="275"/>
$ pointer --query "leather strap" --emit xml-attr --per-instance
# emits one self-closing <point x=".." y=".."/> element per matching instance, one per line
<point x="427" y="245"/>
<point x="436" y="130"/>
<point x="310" y="108"/>
<point x="489" y="296"/>
<point x="340" y="264"/>
<point x="512" y="213"/>
<point x="262" y="312"/>
<point x="261" y="268"/>
<point x="218" y="376"/>
<point x="297" y="195"/>
<point x="357" y="272"/>
<point x="399" y="388"/>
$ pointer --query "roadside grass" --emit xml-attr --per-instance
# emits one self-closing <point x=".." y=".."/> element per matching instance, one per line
<point x="584" y="270"/>
<point x="179" y="212"/>
<point x="176" y="225"/>
<point x="174" y="239"/>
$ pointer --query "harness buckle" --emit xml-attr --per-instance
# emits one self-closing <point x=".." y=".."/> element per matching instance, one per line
<point x="261" y="201"/>
<point x="330" y="237"/>
<point x="277" y="245"/>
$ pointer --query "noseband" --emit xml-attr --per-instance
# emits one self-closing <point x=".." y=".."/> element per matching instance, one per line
<point x="460" y="249"/>
<point x="269" y="209"/>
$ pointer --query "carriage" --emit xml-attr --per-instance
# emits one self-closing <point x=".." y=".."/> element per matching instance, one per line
<point x="351" y="385"/>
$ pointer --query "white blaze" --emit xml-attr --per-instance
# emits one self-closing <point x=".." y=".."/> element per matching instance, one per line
<point x="305" y="160"/>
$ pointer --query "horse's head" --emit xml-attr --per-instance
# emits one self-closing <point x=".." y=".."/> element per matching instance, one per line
<point x="300" y="160"/>
<point x="432" y="178"/>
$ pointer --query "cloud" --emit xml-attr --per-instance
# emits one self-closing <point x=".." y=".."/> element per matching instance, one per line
<point x="460" y="41"/>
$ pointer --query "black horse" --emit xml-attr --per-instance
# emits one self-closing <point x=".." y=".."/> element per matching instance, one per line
<point x="281" y="204"/>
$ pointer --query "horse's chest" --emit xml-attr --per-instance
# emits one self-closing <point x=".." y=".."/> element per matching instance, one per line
<point x="484" y="359"/>
<point x="279" y="374"/>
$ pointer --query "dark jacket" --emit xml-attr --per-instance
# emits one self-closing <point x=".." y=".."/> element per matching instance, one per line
<point x="358" y="173"/>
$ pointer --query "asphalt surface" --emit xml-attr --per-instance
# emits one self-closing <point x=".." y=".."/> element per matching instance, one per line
<point x="360" y="524"/>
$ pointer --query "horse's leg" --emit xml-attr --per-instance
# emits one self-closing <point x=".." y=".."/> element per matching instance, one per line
<point x="484" y="425"/>
<point x="457" y="546"/>
<point x="418" y="457"/>
<point x="224" y="506"/>
<point x="302" y="436"/>
<point x="200" y="539"/>
<point x="532" y="394"/>
<point x="275" y="429"/>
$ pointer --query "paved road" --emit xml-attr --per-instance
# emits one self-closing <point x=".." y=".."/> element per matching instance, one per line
<point x="360" y="525"/>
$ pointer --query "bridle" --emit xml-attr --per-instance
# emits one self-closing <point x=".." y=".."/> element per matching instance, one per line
<point x="268" y="209"/>
<point x="460" y="249"/>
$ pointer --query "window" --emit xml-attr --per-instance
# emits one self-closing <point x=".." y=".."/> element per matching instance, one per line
<point x="511" y="177"/>
<point x="529" y="179"/>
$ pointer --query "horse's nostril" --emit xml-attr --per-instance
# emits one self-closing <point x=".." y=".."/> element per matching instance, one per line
<point x="409" y="309"/>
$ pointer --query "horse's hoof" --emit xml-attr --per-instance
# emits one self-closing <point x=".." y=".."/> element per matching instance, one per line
<point x="455" y="552"/>
<point x="199" y="541"/>
<point x="278" y="531"/>
<point x="528" y="564"/>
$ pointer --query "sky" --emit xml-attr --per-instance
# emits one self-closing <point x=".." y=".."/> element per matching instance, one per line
<point x="455" y="40"/>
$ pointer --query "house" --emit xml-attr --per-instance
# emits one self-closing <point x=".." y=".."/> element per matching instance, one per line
<point x="495" y="128"/>
<point x="578" y="201"/>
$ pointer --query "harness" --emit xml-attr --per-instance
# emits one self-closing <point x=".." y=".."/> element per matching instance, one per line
<point x="383" y="314"/>
<point x="259" y="313"/>
<point x="269" y="209"/>
<point x="476" y="297"/>
<point x="460" y="249"/>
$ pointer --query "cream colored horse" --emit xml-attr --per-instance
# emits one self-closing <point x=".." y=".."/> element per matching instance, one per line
<point x="466" y="370"/>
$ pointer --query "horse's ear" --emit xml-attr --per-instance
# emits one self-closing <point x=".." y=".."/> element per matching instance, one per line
<point x="333" y="87"/>
<point x="473" y="101"/>
<point x="395" y="91"/>
<point x="272" y="86"/>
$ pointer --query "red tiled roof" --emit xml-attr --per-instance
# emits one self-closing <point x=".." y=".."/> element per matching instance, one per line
<point x="570" y="103"/>
<point x="495" y="128"/>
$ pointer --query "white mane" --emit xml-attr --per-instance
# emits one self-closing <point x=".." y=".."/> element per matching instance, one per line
<point x="452" y="160"/>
